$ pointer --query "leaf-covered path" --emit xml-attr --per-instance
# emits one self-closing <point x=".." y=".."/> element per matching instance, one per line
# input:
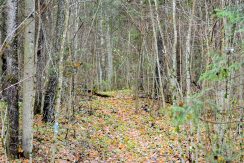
<point x="126" y="130"/>
<point x="115" y="129"/>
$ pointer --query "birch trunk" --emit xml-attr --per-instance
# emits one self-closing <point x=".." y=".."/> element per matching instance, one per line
<point x="29" y="84"/>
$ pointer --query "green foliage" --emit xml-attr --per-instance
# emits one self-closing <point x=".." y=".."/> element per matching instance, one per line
<point x="219" y="69"/>
<point x="190" y="112"/>
<point x="179" y="115"/>
<point x="233" y="14"/>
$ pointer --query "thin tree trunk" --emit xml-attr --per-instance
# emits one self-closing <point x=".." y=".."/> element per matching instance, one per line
<point x="40" y="54"/>
<point x="128" y="61"/>
<point x="60" y="77"/>
<point x="158" y="68"/>
<point x="241" y="93"/>
<point x="168" y="78"/>
<point x="74" y="58"/>
<point x="12" y="78"/>
<point x="109" y="53"/>
<point x="174" y="56"/>
<point x="101" y="55"/>
<point x="29" y="84"/>
<point x="48" y="108"/>
<point x="1" y="58"/>
<point x="188" y="52"/>
<point x="188" y="75"/>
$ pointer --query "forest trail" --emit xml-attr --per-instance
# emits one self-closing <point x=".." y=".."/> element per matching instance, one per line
<point x="115" y="129"/>
<point x="125" y="129"/>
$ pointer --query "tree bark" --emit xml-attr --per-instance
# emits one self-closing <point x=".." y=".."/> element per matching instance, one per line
<point x="158" y="70"/>
<point x="174" y="57"/>
<point x="109" y="52"/>
<point x="41" y="56"/>
<point x="48" y="108"/>
<point x="29" y="74"/>
<point x="188" y="52"/>
<point x="12" y="78"/>
<point x="101" y="54"/>
<point x="1" y="58"/>
<point x="60" y="75"/>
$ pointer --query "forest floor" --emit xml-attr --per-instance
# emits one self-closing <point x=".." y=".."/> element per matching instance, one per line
<point x="115" y="129"/>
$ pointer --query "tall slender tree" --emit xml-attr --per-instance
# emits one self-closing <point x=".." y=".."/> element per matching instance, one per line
<point x="174" y="55"/>
<point x="29" y="74"/>
<point x="11" y="79"/>
<point x="158" y="46"/>
<point x="40" y="54"/>
<point x="109" y="51"/>
<point x="49" y="99"/>
<point x="60" y="74"/>
<point x="188" y="51"/>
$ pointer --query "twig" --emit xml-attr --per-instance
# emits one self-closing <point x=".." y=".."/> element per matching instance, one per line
<point x="15" y="84"/>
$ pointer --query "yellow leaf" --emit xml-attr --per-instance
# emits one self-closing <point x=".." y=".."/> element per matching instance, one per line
<point x="221" y="159"/>
<point x="20" y="150"/>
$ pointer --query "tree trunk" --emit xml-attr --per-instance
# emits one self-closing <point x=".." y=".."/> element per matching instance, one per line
<point x="60" y="76"/>
<point x="165" y="65"/>
<point x="12" y="78"/>
<point x="101" y="54"/>
<point x="48" y="108"/>
<point x="74" y="58"/>
<point x="174" y="81"/>
<point x="61" y="65"/>
<point x="188" y="53"/>
<point x="188" y="76"/>
<point x="29" y="75"/>
<point x="158" y="70"/>
<point x="41" y="58"/>
<point x="109" y="53"/>
<point x="1" y="58"/>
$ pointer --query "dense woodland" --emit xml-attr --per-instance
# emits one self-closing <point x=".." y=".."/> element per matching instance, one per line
<point x="121" y="80"/>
